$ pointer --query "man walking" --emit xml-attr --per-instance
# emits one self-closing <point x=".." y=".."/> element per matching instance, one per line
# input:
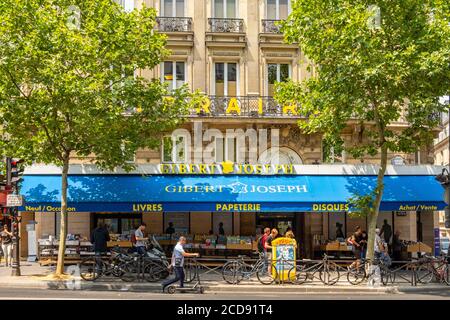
<point x="178" y="262"/>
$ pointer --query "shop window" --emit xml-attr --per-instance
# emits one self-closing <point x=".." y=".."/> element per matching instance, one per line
<point x="277" y="9"/>
<point x="174" y="149"/>
<point x="173" y="73"/>
<point x="225" y="219"/>
<point x="336" y="224"/>
<point x="226" y="79"/>
<point x="172" y="8"/>
<point x="226" y="149"/>
<point x="180" y="221"/>
<point x="276" y="72"/>
<point x="120" y="226"/>
<point x="225" y="8"/>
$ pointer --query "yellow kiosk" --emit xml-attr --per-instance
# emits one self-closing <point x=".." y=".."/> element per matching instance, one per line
<point x="284" y="256"/>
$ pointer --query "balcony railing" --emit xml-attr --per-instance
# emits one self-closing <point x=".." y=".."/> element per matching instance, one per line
<point x="244" y="106"/>
<point x="226" y="25"/>
<point x="174" y="24"/>
<point x="271" y="26"/>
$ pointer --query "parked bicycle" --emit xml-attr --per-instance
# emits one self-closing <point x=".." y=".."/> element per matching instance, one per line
<point x="433" y="268"/>
<point x="356" y="275"/>
<point x="233" y="272"/>
<point x="94" y="267"/>
<point x="326" y="271"/>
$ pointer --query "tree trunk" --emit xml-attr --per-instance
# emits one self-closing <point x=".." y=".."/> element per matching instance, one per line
<point x="373" y="213"/>
<point x="64" y="219"/>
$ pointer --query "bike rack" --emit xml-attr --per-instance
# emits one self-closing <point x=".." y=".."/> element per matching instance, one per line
<point x="402" y="271"/>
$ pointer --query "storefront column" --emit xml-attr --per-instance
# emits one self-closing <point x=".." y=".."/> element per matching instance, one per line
<point x="26" y="218"/>
<point x="429" y="222"/>
<point x="236" y="223"/>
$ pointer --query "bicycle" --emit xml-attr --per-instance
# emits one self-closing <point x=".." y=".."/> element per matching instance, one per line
<point x="356" y="275"/>
<point x="94" y="267"/>
<point x="327" y="270"/>
<point x="433" y="268"/>
<point x="233" y="272"/>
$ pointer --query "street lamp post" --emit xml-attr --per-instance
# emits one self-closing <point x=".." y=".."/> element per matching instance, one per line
<point x="15" y="221"/>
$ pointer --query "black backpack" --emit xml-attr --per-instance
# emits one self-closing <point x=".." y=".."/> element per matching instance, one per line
<point x="260" y="244"/>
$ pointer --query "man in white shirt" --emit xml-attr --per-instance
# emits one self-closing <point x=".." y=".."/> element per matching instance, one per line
<point x="140" y="239"/>
<point x="178" y="262"/>
<point x="378" y="245"/>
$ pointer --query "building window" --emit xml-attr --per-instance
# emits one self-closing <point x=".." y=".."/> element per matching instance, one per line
<point x="120" y="226"/>
<point x="225" y="9"/>
<point x="226" y="79"/>
<point x="276" y="72"/>
<point x="398" y="161"/>
<point x="277" y="9"/>
<point x="173" y="73"/>
<point x="226" y="149"/>
<point x="172" y="8"/>
<point x="128" y="5"/>
<point x="174" y="149"/>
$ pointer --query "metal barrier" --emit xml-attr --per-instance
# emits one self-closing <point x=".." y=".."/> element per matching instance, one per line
<point x="313" y="270"/>
<point x="327" y="271"/>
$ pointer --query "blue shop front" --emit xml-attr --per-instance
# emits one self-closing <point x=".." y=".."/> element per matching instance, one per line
<point x="237" y="207"/>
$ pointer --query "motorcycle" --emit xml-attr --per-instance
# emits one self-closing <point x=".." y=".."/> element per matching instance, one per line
<point x="157" y="264"/>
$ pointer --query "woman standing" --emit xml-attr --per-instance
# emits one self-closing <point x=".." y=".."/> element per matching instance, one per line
<point x="6" y="239"/>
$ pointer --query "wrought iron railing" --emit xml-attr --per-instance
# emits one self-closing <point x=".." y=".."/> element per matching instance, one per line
<point x="174" y="24"/>
<point x="245" y="106"/>
<point x="271" y="26"/>
<point x="226" y="25"/>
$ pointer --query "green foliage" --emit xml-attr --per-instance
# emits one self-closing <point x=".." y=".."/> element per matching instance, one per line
<point x="371" y="74"/>
<point x="77" y="89"/>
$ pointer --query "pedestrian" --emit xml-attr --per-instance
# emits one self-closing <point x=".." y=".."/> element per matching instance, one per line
<point x="170" y="229"/>
<point x="355" y="240"/>
<point x="396" y="246"/>
<point x="268" y="245"/>
<point x="7" y="245"/>
<point x="363" y="242"/>
<point x="100" y="238"/>
<point x="140" y="239"/>
<point x="261" y="241"/>
<point x="379" y="247"/>
<point x="339" y="232"/>
<point x="386" y="231"/>
<point x="221" y="229"/>
<point x="177" y="263"/>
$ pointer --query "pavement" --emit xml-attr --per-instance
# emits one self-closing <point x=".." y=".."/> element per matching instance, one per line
<point x="39" y="294"/>
<point x="34" y="277"/>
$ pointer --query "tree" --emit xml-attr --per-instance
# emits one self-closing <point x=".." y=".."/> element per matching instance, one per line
<point x="375" y="61"/>
<point x="70" y="85"/>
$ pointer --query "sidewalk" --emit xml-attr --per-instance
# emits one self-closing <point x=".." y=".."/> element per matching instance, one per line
<point x="34" y="276"/>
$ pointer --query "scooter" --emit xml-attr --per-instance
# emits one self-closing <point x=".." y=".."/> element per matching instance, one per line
<point x="196" y="288"/>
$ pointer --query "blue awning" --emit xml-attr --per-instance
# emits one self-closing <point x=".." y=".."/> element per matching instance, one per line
<point x="316" y="193"/>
